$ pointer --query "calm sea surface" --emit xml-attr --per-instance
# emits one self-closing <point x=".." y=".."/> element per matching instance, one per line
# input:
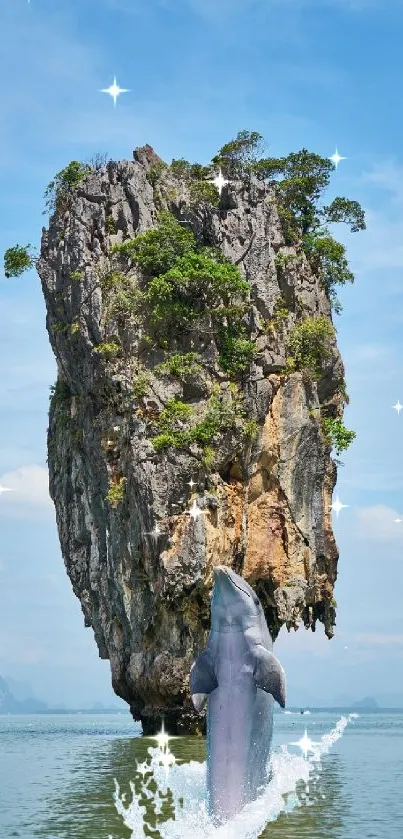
<point x="57" y="781"/>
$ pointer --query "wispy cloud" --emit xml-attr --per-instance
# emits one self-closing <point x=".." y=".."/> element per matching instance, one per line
<point x="29" y="492"/>
<point x="379" y="640"/>
<point x="388" y="176"/>
<point x="365" y="352"/>
<point x="377" y="524"/>
<point x="225" y="7"/>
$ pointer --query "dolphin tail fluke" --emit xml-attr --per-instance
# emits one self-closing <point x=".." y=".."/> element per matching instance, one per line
<point x="269" y="674"/>
<point x="202" y="679"/>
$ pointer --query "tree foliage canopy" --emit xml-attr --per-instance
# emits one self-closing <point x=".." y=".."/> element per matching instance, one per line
<point x="299" y="179"/>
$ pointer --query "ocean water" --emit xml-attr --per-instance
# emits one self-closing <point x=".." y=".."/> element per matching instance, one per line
<point x="94" y="777"/>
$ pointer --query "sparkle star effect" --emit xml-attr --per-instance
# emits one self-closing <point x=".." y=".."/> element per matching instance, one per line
<point x="305" y="744"/>
<point x="156" y="532"/>
<point x="114" y="90"/>
<point x="337" y="506"/>
<point x="162" y="739"/>
<point x="398" y="407"/>
<point x="5" y="489"/>
<point x="219" y="181"/>
<point x="336" y="158"/>
<point x="195" y="511"/>
<point x="191" y="483"/>
<point x="143" y="768"/>
<point x="397" y="521"/>
<point x="167" y="759"/>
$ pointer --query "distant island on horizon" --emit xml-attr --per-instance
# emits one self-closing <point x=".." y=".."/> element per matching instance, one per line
<point x="10" y="704"/>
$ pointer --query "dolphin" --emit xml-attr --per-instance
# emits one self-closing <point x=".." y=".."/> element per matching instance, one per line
<point x="239" y="677"/>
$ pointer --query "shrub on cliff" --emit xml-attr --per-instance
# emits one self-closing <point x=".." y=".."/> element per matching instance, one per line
<point x="17" y="260"/>
<point x="60" y="190"/>
<point x="328" y="260"/>
<point x="157" y="250"/>
<point x="185" y="282"/>
<point x="336" y="434"/>
<point x="309" y="345"/>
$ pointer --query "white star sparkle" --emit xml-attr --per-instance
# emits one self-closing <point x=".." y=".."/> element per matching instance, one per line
<point x="337" y="506"/>
<point x="114" y="90"/>
<point x="143" y="768"/>
<point x="155" y="532"/>
<point x="219" y="181"/>
<point x="397" y="521"/>
<point x="398" y="407"/>
<point x="336" y="158"/>
<point x="191" y="483"/>
<point x="305" y="744"/>
<point x="5" y="489"/>
<point x="195" y="511"/>
<point x="167" y="759"/>
<point x="162" y="739"/>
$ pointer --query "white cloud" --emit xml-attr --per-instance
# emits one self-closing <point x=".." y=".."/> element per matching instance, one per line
<point x="29" y="489"/>
<point x="378" y="639"/>
<point x="377" y="524"/>
<point x="365" y="352"/>
<point x="388" y="175"/>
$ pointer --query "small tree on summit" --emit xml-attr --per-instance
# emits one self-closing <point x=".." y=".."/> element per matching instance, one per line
<point x="238" y="157"/>
<point x="299" y="179"/>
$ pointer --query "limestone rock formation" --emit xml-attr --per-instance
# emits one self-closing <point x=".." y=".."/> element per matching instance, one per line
<point x="265" y="503"/>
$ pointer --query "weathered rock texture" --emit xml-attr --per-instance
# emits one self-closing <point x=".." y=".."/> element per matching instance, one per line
<point x="265" y="507"/>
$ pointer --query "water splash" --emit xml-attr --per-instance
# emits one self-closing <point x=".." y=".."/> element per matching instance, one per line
<point x="184" y="789"/>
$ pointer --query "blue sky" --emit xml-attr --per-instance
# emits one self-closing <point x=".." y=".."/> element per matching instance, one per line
<point x="315" y="74"/>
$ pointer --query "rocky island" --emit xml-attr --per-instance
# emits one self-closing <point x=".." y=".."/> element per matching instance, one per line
<point x="200" y="393"/>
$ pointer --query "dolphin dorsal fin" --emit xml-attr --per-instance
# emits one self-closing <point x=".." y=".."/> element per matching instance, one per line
<point x="269" y="674"/>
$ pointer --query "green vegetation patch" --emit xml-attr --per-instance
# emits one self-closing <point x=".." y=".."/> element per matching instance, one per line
<point x="116" y="491"/>
<point x="157" y="250"/>
<point x="177" y="428"/>
<point x="17" y="260"/>
<point x="108" y="349"/>
<point x="328" y="261"/>
<point x="59" y="192"/>
<point x="184" y="282"/>
<point x="181" y="366"/>
<point x="141" y="385"/>
<point x="336" y="434"/>
<point x="309" y="345"/>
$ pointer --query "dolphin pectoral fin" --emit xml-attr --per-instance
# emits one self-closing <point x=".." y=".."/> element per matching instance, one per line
<point x="199" y="700"/>
<point x="269" y="674"/>
<point x="202" y="679"/>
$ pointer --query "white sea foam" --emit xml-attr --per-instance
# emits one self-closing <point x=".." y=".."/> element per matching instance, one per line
<point x="289" y="787"/>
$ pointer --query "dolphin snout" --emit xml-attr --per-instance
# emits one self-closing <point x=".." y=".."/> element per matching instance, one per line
<point x="219" y="571"/>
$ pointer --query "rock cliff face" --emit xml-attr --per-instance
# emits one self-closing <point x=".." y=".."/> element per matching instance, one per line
<point x="265" y="504"/>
